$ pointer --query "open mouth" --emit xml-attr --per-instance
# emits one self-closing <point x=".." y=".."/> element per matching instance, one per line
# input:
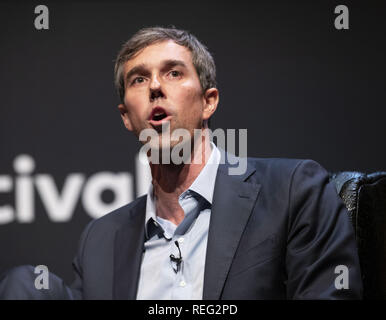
<point x="157" y="115"/>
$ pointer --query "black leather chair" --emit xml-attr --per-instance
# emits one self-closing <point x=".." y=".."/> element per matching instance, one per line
<point x="365" y="198"/>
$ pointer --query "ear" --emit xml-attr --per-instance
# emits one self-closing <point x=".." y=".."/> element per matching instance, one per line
<point x="211" y="97"/>
<point x="125" y="117"/>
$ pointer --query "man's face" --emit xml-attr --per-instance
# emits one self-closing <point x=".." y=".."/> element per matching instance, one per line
<point x="163" y="75"/>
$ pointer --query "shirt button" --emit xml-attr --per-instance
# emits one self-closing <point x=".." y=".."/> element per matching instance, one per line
<point x="182" y="284"/>
<point x="181" y="240"/>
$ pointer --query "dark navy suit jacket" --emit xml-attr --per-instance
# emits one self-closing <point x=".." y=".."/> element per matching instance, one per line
<point x="276" y="232"/>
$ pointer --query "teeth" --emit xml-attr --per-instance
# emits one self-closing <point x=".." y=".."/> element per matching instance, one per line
<point x="158" y="114"/>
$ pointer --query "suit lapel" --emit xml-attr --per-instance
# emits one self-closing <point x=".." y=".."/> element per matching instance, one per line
<point x="233" y="202"/>
<point x="128" y="248"/>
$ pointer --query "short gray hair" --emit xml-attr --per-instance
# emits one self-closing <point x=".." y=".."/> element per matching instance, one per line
<point x="201" y="57"/>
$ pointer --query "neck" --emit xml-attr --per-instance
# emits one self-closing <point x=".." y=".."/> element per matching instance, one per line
<point x="170" y="180"/>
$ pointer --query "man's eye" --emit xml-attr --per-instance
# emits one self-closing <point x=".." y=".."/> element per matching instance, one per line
<point x="138" y="78"/>
<point x="175" y="73"/>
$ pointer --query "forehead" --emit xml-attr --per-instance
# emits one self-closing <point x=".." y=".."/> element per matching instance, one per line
<point x="154" y="54"/>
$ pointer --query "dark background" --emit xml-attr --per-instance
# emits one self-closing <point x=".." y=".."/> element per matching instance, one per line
<point x="302" y="89"/>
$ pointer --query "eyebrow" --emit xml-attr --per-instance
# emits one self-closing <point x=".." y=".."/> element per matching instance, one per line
<point x="141" y="68"/>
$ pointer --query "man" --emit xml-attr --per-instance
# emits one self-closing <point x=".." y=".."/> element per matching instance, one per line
<point x="276" y="231"/>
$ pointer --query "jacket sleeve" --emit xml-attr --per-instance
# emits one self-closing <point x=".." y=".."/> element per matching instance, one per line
<point x="18" y="283"/>
<point x="322" y="258"/>
<point x="77" y="285"/>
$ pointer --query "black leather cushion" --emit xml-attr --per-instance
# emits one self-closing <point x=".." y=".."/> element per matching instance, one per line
<point x="365" y="198"/>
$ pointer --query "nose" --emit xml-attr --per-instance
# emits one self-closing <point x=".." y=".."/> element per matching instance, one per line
<point x="155" y="88"/>
<point x="154" y="83"/>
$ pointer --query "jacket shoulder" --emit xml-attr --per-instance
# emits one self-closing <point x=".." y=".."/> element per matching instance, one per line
<point x="117" y="217"/>
<point x="283" y="169"/>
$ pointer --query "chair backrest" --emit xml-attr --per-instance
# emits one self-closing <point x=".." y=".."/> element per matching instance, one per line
<point x="365" y="198"/>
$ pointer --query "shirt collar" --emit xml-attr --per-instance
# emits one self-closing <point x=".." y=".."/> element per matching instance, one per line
<point x="203" y="185"/>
